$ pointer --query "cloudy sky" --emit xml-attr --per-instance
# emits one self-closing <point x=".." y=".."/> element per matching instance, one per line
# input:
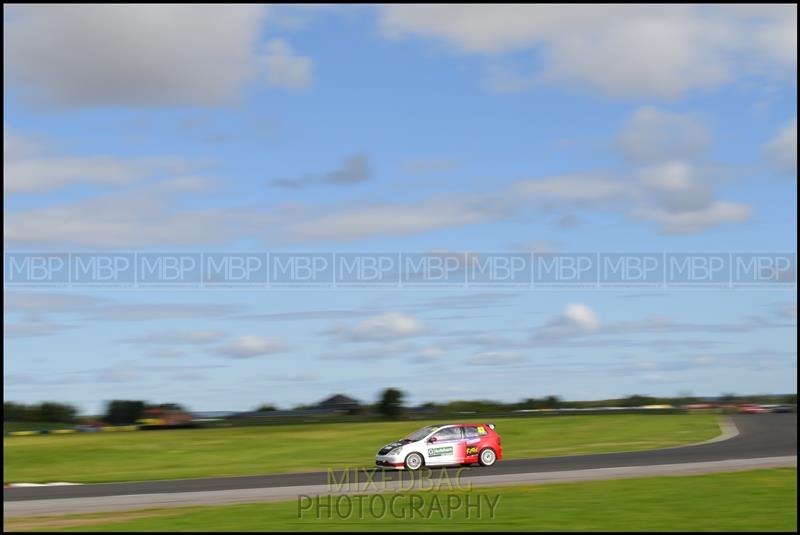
<point x="543" y="129"/>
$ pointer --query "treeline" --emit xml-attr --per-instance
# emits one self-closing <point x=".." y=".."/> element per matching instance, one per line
<point x="390" y="404"/>
<point x="124" y="412"/>
<point x="47" y="411"/>
<point x="117" y="412"/>
<point x="635" y="400"/>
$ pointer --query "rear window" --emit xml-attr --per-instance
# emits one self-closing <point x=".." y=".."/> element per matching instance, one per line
<point x="471" y="432"/>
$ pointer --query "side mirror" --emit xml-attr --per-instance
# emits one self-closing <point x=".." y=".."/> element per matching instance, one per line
<point x="431" y="440"/>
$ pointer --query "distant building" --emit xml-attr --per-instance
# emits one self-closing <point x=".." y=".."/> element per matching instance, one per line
<point x="340" y="402"/>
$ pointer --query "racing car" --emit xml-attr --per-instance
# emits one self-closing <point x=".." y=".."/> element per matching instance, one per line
<point x="443" y="445"/>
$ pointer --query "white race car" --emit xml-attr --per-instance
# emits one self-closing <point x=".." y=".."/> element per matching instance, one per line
<point x="443" y="445"/>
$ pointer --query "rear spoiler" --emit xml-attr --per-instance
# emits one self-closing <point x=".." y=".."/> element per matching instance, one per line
<point x="490" y="426"/>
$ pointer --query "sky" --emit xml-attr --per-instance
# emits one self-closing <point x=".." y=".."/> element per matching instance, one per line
<point x="536" y="132"/>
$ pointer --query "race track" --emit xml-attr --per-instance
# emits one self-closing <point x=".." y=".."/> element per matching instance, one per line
<point x="763" y="440"/>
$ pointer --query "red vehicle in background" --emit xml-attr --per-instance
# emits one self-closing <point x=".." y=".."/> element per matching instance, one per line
<point x="751" y="408"/>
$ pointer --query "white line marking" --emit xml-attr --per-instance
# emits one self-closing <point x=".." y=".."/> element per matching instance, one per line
<point x="62" y="506"/>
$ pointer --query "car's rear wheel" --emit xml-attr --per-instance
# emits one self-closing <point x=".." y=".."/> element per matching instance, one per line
<point x="413" y="461"/>
<point x="487" y="457"/>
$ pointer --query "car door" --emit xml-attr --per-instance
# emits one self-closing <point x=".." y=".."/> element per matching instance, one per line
<point x="443" y="447"/>
<point x="472" y="439"/>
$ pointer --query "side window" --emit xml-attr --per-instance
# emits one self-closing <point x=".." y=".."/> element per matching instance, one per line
<point x="450" y="433"/>
<point x="471" y="432"/>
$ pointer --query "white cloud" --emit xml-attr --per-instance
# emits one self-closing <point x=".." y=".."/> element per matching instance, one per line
<point x="354" y="169"/>
<point x="206" y="336"/>
<point x="384" y="349"/>
<point x="576" y="319"/>
<point x="677" y="194"/>
<point x="675" y="187"/>
<point x="494" y="358"/>
<point x="782" y="150"/>
<point x="118" y="373"/>
<point x="428" y="355"/>
<point x="46" y="174"/>
<point x="33" y="329"/>
<point x="581" y="316"/>
<point x="143" y="216"/>
<point x="578" y="326"/>
<point x="36" y="304"/>
<point x="572" y="189"/>
<point x="17" y="146"/>
<point x="652" y="135"/>
<point x="142" y="54"/>
<point x="251" y="346"/>
<point x="693" y="221"/>
<point x="670" y="185"/>
<point x="397" y="219"/>
<point x="624" y="50"/>
<point x="28" y="167"/>
<point x="385" y="326"/>
<point x="284" y="68"/>
<point x="166" y="311"/>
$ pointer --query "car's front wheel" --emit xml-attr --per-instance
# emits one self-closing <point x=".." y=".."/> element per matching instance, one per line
<point x="488" y="457"/>
<point x="413" y="461"/>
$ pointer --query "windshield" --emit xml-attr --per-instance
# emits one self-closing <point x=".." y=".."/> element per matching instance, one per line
<point x="421" y="433"/>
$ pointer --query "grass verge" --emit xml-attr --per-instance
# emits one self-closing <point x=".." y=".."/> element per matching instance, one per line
<point x="758" y="500"/>
<point x="191" y="453"/>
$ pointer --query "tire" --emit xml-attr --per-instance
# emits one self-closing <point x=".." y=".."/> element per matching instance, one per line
<point x="414" y="461"/>
<point x="487" y="457"/>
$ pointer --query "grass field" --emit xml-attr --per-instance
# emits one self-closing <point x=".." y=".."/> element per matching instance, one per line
<point x="144" y="455"/>
<point x="34" y="426"/>
<point x="759" y="500"/>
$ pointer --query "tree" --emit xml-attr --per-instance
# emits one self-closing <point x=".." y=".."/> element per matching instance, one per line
<point x="15" y="412"/>
<point x="637" y="400"/>
<point x="266" y="408"/>
<point x="124" y="412"/>
<point x="552" y="402"/>
<point x="391" y="403"/>
<point x="50" y="411"/>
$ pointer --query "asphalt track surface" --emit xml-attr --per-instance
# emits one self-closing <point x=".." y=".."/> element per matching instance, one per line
<point x="760" y="437"/>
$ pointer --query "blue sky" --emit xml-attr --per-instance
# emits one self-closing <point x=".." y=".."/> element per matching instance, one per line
<point x="543" y="129"/>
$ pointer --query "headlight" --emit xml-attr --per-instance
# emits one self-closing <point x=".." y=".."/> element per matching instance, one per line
<point x="395" y="451"/>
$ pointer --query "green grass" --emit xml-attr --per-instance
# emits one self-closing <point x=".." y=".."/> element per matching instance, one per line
<point x="145" y="455"/>
<point x="758" y="500"/>
<point x="35" y="426"/>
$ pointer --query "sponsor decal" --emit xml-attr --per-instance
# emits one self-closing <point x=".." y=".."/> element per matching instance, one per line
<point x="437" y="452"/>
<point x="481" y="430"/>
<point x="472" y="450"/>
